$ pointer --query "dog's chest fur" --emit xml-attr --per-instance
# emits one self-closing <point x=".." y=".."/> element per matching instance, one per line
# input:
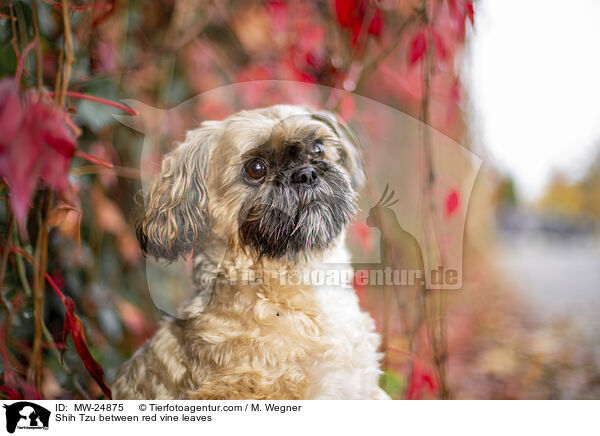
<point x="349" y="369"/>
<point x="262" y="342"/>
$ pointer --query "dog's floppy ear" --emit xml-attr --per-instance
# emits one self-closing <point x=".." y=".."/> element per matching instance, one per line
<point x="176" y="222"/>
<point x="349" y="147"/>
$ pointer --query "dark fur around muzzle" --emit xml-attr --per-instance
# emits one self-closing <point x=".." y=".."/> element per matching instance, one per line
<point x="283" y="220"/>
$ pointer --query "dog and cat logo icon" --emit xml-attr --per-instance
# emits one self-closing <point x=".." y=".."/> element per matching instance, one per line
<point x="26" y="415"/>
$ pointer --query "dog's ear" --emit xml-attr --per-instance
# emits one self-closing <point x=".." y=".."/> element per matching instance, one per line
<point x="176" y="222"/>
<point x="349" y="147"/>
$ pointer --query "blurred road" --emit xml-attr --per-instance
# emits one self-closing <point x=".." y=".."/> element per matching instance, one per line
<point x="560" y="276"/>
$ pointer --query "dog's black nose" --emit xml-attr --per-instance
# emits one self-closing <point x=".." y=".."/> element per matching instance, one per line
<point x="305" y="176"/>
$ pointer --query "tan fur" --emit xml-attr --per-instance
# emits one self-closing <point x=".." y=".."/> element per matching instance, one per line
<point x="260" y="341"/>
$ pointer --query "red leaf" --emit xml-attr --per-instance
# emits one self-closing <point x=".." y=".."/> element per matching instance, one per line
<point x="418" y="46"/>
<point x="363" y="234"/>
<point x="36" y="142"/>
<point x="74" y="326"/>
<point x="376" y="25"/>
<point x="56" y="140"/>
<point x="12" y="167"/>
<point x="470" y="11"/>
<point x="422" y="379"/>
<point x="351" y="14"/>
<point x="452" y="202"/>
<point x="20" y="172"/>
<point x="10" y="112"/>
<point x="346" y="11"/>
<point x="452" y="6"/>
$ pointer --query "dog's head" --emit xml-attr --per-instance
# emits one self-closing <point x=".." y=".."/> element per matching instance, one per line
<point x="277" y="182"/>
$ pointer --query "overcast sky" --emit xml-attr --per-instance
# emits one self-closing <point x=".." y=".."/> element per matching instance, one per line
<point x="535" y="83"/>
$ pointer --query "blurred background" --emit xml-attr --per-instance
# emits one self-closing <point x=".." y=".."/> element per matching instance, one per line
<point x="514" y="83"/>
<point x="534" y="120"/>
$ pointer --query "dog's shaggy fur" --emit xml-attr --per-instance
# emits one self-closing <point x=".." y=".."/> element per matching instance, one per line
<point x="269" y="340"/>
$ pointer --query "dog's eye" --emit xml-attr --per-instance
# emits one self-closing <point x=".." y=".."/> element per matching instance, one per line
<point x="256" y="169"/>
<point x="318" y="150"/>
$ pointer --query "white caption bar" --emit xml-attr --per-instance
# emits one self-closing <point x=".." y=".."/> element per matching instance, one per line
<point x="301" y="417"/>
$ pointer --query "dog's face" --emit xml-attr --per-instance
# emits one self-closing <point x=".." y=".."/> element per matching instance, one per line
<point x="275" y="183"/>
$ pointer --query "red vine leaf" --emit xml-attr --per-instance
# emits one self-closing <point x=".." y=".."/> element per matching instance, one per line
<point x="363" y="234"/>
<point x="422" y="379"/>
<point x="10" y="111"/>
<point x="452" y="6"/>
<point x="452" y="203"/>
<point x="376" y="26"/>
<point x="36" y="143"/>
<point x="73" y="325"/>
<point x="345" y="12"/>
<point x="418" y="46"/>
<point x="351" y="14"/>
<point x="470" y="11"/>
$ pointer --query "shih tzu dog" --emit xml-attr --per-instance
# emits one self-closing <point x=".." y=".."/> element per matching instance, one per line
<point x="270" y="189"/>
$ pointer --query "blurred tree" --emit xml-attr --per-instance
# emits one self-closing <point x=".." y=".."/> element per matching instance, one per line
<point x="591" y="186"/>
<point x="506" y="192"/>
<point x="562" y="196"/>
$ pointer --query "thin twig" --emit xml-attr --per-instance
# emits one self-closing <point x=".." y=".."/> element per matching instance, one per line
<point x="13" y="27"/>
<point x="59" y="73"/>
<point x="79" y="95"/>
<point x="38" y="47"/>
<point x="69" y="59"/>
<point x="21" y="60"/>
<point x="40" y="263"/>
<point x="436" y="309"/>
<point x="130" y="173"/>
<point x="93" y="159"/>
<point x="21" y="269"/>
